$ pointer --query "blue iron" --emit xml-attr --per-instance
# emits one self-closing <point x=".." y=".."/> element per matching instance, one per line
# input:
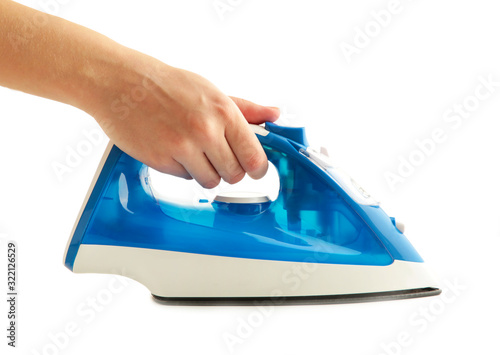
<point x="323" y="239"/>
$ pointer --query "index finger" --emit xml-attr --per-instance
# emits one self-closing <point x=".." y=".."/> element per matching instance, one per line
<point x="246" y="147"/>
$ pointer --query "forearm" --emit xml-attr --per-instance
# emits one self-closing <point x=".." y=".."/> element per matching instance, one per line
<point x="50" y="57"/>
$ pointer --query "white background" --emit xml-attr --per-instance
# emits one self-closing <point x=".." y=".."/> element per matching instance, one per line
<point x="429" y="57"/>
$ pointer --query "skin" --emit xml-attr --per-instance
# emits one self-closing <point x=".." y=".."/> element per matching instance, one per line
<point x="173" y="120"/>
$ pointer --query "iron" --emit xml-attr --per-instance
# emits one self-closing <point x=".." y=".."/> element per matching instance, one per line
<point x="322" y="240"/>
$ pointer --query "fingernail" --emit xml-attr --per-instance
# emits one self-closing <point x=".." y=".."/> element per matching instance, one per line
<point x="275" y="108"/>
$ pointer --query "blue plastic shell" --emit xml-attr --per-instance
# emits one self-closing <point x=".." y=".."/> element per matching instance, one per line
<point x="312" y="220"/>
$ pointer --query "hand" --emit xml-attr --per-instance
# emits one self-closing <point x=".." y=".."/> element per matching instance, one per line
<point x="179" y="123"/>
<point x="170" y="119"/>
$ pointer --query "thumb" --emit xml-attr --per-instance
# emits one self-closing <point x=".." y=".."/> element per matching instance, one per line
<point x="256" y="113"/>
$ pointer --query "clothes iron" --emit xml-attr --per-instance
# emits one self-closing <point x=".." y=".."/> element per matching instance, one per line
<point x="322" y="240"/>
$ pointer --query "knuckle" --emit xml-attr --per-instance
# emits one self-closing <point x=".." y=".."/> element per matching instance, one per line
<point x="224" y="110"/>
<point x="210" y="183"/>
<point x="203" y="130"/>
<point x="163" y="164"/>
<point x="158" y="160"/>
<point x="182" y="150"/>
<point x="235" y="176"/>
<point x="255" y="162"/>
<point x="172" y="141"/>
<point x="196" y="122"/>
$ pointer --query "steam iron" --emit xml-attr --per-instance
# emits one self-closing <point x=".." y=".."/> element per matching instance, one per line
<point x="322" y="240"/>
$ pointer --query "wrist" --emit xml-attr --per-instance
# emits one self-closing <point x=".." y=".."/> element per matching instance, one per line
<point x="117" y="82"/>
<point x="98" y="78"/>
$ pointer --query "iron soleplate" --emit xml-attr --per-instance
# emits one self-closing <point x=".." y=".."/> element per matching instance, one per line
<point x="299" y="300"/>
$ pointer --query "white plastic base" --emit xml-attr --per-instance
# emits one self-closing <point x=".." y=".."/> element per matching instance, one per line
<point x="177" y="274"/>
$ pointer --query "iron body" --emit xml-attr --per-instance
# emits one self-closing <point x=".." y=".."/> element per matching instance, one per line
<point x="322" y="240"/>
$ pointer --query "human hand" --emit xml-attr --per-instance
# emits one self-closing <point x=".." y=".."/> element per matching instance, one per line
<point x="179" y="123"/>
<point x="170" y="119"/>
